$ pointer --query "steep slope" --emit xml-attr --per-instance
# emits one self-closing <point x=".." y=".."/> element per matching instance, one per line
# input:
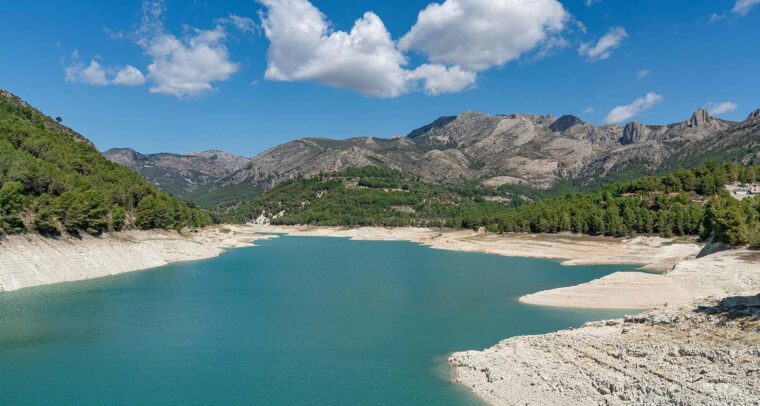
<point x="53" y="180"/>
<point x="179" y="174"/>
<point x="534" y="150"/>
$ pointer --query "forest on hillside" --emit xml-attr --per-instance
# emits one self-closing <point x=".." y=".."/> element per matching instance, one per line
<point x="682" y="202"/>
<point x="54" y="181"/>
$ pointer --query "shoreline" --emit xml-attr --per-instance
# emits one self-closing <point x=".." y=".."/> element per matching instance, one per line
<point x="31" y="260"/>
<point x="630" y="360"/>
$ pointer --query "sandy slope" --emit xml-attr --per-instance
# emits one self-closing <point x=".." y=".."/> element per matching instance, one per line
<point x="32" y="260"/>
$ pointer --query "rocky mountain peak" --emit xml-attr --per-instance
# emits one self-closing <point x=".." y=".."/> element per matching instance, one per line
<point x="633" y="132"/>
<point x="564" y="122"/>
<point x="755" y="114"/>
<point x="700" y="118"/>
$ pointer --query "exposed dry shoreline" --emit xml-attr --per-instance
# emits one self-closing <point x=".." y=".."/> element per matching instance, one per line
<point x="675" y="353"/>
<point x="32" y="260"/>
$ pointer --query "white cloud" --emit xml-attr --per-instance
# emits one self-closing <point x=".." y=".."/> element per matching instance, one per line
<point x="589" y="110"/>
<point x="128" y="76"/>
<point x="590" y="3"/>
<point x="604" y="46"/>
<point x="720" y="108"/>
<point x="93" y="73"/>
<point x="245" y="24"/>
<point x="184" y="67"/>
<point x="439" y="79"/>
<point x="642" y="73"/>
<point x="479" y="34"/>
<point x="625" y="112"/>
<point x="96" y="74"/>
<point x="743" y="7"/>
<point x="303" y="47"/>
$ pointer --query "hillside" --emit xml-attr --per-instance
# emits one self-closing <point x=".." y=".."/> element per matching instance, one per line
<point x="179" y="174"/>
<point x="531" y="150"/>
<point x="53" y="180"/>
<point x="682" y="202"/>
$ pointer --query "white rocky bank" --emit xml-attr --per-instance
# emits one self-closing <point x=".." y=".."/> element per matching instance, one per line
<point x="31" y="260"/>
<point x="703" y="353"/>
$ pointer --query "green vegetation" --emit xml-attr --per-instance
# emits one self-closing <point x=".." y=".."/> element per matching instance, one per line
<point x="52" y="181"/>
<point x="682" y="202"/>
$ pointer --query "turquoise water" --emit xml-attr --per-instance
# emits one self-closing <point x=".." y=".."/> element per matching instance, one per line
<point x="294" y="321"/>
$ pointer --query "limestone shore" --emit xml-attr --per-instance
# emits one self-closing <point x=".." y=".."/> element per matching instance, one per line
<point x="33" y="260"/>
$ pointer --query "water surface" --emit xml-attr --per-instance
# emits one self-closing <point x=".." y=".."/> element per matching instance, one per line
<point x="294" y="321"/>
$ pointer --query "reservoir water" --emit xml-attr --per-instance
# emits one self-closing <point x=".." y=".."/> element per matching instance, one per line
<point x="293" y="321"/>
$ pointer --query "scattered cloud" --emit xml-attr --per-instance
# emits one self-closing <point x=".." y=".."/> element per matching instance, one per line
<point x="643" y="73"/>
<point x="114" y="35"/>
<point x="480" y="34"/>
<point x="716" y="17"/>
<point x="128" y="76"/>
<point x="743" y="7"/>
<point x="92" y="73"/>
<point x="625" y="112"/>
<point x="439" y="79"/>
<point x="96" y="74"/>
<point x="182" y="67"/>
<point x="246" y="25"/>
<point x="720" y="108"/>
<point x="604" y="46"/>
<point x="589" y="110"/>
<point x="590" y="3"/>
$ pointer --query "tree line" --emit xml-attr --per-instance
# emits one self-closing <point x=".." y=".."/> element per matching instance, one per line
<point x="51" y="182"/>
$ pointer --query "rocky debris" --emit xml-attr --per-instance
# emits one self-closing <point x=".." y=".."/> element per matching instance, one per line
<point x="703" y="354"/>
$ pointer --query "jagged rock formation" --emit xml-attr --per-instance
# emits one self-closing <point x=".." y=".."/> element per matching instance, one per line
<point x="179" y="174"/>
<point x="534" y="150"/>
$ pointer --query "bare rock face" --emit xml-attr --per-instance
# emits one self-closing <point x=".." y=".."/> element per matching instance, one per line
<point x="179" y="174"/>
<point x="700" y="118"/>
<point x="633" y="132"/>
<point x="564" y="122"/>
<point x="534" y="150"/>
<point x="755" y="114"/>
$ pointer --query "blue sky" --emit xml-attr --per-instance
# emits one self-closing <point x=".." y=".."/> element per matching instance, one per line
<point x="181" y="76"/>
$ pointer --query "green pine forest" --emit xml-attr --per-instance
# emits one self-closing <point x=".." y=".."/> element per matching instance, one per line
<point x="54" y="181"/>
<point x="684" y="202"/>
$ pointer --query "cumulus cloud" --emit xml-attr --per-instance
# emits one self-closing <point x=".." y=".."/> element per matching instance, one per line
<point x="129" y="76"/>
<point x="303" y="47"/>
<point x="625" y="112"/>
<point x="642" y="73"/>
<point x="96" y="74"/>
<point x="439" y="79"/>
<point x="92" y="73"/>
<point x="720" y="108"/>
<point x="479" y="34"/>
<point x="743" y="7"/>
<point x="604" y="46"/>
<point x="183" y="67"/>
<point x="459" y="37"/>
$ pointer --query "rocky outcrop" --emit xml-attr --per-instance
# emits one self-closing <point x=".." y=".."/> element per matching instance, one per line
<point x="755" y="114"/>
<point x="564" y="122"/>
<point x="534" y="150"/>
<point x="633" y="132"/>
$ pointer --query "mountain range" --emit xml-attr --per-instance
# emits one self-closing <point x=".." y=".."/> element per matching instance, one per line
<point x="537" y="151"/>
